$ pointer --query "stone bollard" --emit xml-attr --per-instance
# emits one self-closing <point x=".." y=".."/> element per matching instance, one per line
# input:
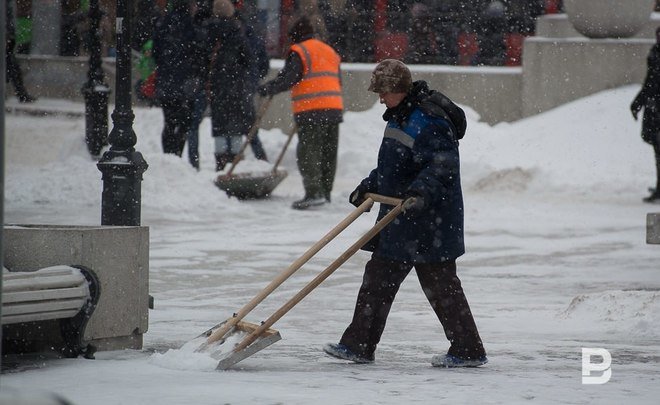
<point x="608" y="18"/>
<point x="653" y="228"/>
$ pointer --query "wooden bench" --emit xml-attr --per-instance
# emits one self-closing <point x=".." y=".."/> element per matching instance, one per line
<point x="64" y="295"/>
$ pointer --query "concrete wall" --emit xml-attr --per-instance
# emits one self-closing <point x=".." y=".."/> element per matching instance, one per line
<point x="559" y="70"/>
<point x="60" y="76"/>
<point x="492" y="92"/>
<point x="119" y="256"/>
<point x="561" y="65"/>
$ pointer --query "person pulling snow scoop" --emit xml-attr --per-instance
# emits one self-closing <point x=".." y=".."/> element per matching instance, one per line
<point x="234" y="339"/>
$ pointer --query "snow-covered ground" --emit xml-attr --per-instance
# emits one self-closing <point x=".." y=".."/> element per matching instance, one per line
<point x="556" y="261"/>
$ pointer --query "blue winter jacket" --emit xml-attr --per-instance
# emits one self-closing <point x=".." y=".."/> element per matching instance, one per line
<point x="419" y="156"/>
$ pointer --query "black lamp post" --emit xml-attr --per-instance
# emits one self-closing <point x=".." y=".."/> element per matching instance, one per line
<point x="121" y="165"/>
<point x="95" y="90"/>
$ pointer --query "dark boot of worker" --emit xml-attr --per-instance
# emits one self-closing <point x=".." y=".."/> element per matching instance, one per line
<point x="654" y="198"/>
<point x="308" y="202"/>
<point x="221" y="160"/>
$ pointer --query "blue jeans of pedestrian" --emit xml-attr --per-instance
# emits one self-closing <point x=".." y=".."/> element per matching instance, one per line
<point x="199" y="107"/>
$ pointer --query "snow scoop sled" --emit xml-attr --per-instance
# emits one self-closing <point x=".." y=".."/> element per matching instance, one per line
<point x="240" y="328"/>
<point x="250" y="186"/>
<point x="253" y="337"/>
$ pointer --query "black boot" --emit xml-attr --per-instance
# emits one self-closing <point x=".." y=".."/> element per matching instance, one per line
<point x="195" y="164"/>
<point x="654" y="198"/>
<point x="221" y="160"/>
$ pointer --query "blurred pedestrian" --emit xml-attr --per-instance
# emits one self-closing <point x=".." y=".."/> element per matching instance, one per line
<point x="423" y="48"/>
<point x="335" y="16"/>
<point x="418" y="161"/>
<point x="310" y="9"/>
<point x="649" y="100"/>
<point x="202" y="12"/>
<point x="446" y="33"/>
<point x="176" y="79"/>
<point x="491" y="35"/>
<point x="70" y="29"/>
<point x="146" y="68"/>
<point x="259" y="66"/>
<point x="13" y="70"/>
<point x="146" y="18"/>
<point x="312" y="73"/>
<point x="228" y="85"/>
<point x="523" y="15"/>
<point x="360" y="35"/>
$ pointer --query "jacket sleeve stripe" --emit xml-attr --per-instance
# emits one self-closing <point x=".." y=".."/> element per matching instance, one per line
<point x="319" y="94"/>
<point x="322" y="74"/>
<point x="400" y="136"/>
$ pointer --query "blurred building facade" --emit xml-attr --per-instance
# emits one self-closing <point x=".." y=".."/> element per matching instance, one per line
<point x="418" y="31"/>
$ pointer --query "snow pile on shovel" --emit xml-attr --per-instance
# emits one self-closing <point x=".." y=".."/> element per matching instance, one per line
<point x="188" y="358"/>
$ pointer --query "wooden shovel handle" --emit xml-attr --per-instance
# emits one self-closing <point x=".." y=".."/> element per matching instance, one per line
<point x="253" y="130"/>
<point x="383" y="199"/>
<point x="286" y="146"/>
<point x="288" y="272"/>
<point x="248" y="340"/>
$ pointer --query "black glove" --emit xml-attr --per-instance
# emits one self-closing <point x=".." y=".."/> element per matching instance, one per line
<point x="357" y="197"/>
<point x="263" y="91"/>
<point x="635" y="108"/>
<point x="413" y="204"/>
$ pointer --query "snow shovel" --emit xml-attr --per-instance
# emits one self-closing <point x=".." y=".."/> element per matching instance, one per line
<point x="253" y="185"/>
<point x="239" y="329"/>
<point x="257" y="337"/>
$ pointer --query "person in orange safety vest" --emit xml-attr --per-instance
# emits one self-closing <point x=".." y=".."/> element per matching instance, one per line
<point x="312" y="73"/>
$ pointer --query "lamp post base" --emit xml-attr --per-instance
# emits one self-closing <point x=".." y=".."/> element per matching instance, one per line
<point x="122" y="191"/>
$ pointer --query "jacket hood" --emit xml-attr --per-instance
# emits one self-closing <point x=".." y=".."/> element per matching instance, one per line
<point x="432" y="102"/>
<point x="439" y="105"/>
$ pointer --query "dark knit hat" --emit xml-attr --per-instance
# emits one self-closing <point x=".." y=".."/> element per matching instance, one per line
<point x="301" y="30"/>
<point x="391" y="76"/>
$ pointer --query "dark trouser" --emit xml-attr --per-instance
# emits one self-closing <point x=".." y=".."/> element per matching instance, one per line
<point x="317" y="157"/>
<point x="258" y="148"/>
<point x="381" y="281"/>
<point x="199" y="106"/>
<point x="178" y="119"/>
<point x="14" y="74"/>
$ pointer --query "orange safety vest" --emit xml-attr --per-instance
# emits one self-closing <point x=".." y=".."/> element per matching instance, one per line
<point x="320" y="87"/>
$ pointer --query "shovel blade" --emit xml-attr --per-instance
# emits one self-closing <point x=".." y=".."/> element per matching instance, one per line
<point x="223" y="351"/>
<point x="250" y="186"/>
<point x="259" y="344"/>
